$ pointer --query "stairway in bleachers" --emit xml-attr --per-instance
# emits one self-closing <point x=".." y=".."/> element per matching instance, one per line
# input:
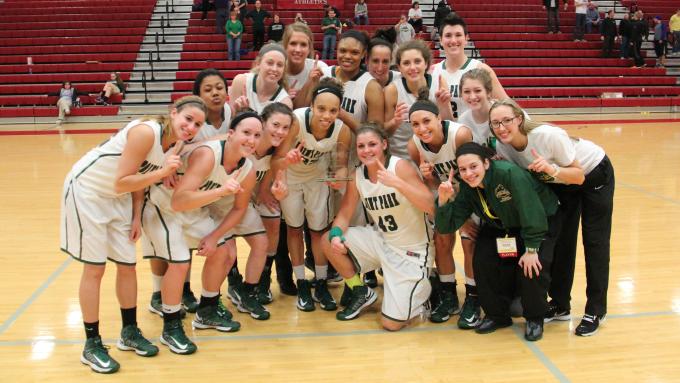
<point x="544" y="70"/>
<point x="80" y="41"/>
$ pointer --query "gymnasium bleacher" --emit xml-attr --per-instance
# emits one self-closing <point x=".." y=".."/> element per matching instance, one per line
<point x="83" y="41"/>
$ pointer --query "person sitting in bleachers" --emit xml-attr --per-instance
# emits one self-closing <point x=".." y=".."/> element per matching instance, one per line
<point x="68" y="96"/>
<point x="276" y="28"/>
<point x="592" y="18"/>
<point x="114" y="86"/>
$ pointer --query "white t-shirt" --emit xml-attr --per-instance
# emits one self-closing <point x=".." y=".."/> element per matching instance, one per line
<point x="415" y="12"/>
<point x="555" y="145"/>
<point x="481" y="132"/>
<point x="581" y="6"/>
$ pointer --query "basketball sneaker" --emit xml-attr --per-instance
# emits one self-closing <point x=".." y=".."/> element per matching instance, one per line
<point x="323" y="296"/>
<point x="362" y="297"/>
<point x="555" y="312"/>
<point x="131" y="339"/>
<point x="96" y="355"/>
<point x="264" y="291"/>
<point x="156" y="305"/>
<point x="305" y="302"/>
<point x="471" y="314"/>
<point x="448" y="303"/>
<point x="223" y="311"/>
<point x="346" y="296"/>
<point x="208" y="317"/>
<point x="189" y="302"/>
<point x="248" y="303"/>
<point x="235" y="281"/>
<point x="174" y="337"/>
<point x="589" y="325"/>
<point x="370" y="279"/>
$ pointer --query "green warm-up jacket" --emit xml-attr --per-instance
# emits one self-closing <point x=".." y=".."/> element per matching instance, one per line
<point x="512" y="195"/>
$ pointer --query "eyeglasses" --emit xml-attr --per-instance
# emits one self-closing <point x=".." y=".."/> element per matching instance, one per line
<point x="505" y="122"/>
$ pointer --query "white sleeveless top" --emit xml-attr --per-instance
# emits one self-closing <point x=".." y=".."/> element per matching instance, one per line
<point x="298" y="81"/>
<point x="97" y="169"/>
<point x="453" y="79"/>
<point x="208" y="131"/>
<point x="445" y="159"/>
<point x="481" y="131"/>
<point x="555" y="145"/>
<point x="316" y="153"/>
<point x="404" y="227"/>
<point x="354" y="97"/>
<point x="254" y="101"/>
<point x="399" y="140"/>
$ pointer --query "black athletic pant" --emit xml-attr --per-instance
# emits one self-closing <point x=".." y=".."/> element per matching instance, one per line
<point x="500" y="279"/>
<point x="258" y="38"/>
<point x="592" y="204"/>
<point x="284" y="268"/>
<point x="637" y="55"/>
<point x="608" y="46"/>
<point x="205" y="5"/>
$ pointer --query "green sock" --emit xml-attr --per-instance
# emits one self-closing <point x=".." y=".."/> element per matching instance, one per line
<point x="354" y="281"/>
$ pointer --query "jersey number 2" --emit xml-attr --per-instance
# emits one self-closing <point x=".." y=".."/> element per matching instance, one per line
<point x="387" y="223"/>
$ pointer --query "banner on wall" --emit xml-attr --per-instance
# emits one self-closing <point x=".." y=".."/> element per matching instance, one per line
<point x="307" y="4"/>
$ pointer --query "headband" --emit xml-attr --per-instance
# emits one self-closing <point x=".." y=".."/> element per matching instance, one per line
<point x="272" y="47"/>
<point x="355" y="34"/>
<point x="424" y="105"/>
<point x="191" y="100"/>
<point x="473" y="148"/>
<point x="327" y="89"/>
<point x="242" y="116"/>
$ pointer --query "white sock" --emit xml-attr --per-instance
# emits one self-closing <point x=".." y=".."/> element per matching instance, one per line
<point x="171" y="308"/>
<point x="209" y="294"/>
<point x="157" y="282"/>
<point x="447" y="278"/>
<point x="321" y="271"/>
<point x="470" y="281"/>
<point x="299" y="272"/>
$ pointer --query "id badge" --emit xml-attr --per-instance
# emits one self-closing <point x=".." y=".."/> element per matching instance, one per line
<point x="507" y="247"/>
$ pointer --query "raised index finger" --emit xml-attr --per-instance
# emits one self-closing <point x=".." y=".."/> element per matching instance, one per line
<point x="451" y="176"/>
<point x="442" y="82"/>
<point x="177" y="149"/>
<point x="535" y="153"/>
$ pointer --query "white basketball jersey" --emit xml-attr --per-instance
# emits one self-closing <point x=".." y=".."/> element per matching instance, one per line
<point x="453" y="79"/>
<point x="218" y="176"/>
<point x="404" y="227"/>
<point x="254" y="101"/>
<point x="208" y="131"/>
<point x="298" y="81"/>
<point x="354" y="96"/>
<point x="97" y="169"/>
<point x="262" y="165"/>
<point x="399" y="140"/>
<point x="481" y="131"/>
<point x="315" y="152"/>
<point x="445" y="159"/>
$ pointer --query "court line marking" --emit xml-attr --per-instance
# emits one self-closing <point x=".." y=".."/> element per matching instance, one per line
<point x="540" y="355"/>
<point x="518" y="326"/>
<point x="55" y="274"/>
<point x="642" y="190"/>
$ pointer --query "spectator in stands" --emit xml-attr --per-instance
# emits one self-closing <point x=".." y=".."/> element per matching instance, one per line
<point x="276" y="29"/>
<point x="442" y="10"/>
<point x="115" y="85"/>
<point x="608" y="34"/>
<point x="592" y="17"/>
<point x="660" y="36"/>
<point x="415" y="17"/>
<point x="240" y="6"/>
<point x="258" y="15"/>
<point x="674" y="25"/>
<point x="234" y="29"/>
<point x="639" y="30"/>
<point x="68" y="96"/>
<point x="327" y="7"/>
<point x="361" y="13"/>
<point x="330" y="26"/>
<point x="552" y="7"/>
<point x="299" y="19"/>
<point x="221" y="9"/>
<point x="624" y="31"/>
<point x="581" y="8"/>
<point x="405" y="30"/>
<point x="205" y="7"/>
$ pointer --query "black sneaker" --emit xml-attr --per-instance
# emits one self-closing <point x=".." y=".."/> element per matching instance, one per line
<point x="436" y="289"/>
<point x="287" y="286"/>
<point x="346" y="296"/>
<point x="264" y="291"/>
<point x="305" y="302"/>
<point x="235" y="282"/>
<point x="555" y="312"/>
<point x="589" y="325"/>
<point x="248" y="303"/>
<point x="323" y="296"/>
<point x="471" y="314"/>
<point x="448" y="303"/>
<point x="362" y="297"/>
<point x="333" y="275"/>
<point x="189" y="302"/>
<point x="370" y="279"/>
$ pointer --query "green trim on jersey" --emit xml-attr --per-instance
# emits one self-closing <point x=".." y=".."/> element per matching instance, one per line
<point x="308" y="124"/>
<point x="272" y="98"/>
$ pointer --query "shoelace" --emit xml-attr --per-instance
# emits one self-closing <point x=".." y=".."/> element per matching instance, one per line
<point x="589" y="318"/>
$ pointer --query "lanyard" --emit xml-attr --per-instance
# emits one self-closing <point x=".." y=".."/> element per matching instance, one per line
<point x="485" y="207"/>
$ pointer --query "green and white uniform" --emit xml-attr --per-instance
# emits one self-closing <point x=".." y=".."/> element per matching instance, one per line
<point x="453" y="79"/>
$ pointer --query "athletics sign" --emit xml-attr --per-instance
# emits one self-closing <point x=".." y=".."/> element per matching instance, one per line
<point x="307" y="4"/>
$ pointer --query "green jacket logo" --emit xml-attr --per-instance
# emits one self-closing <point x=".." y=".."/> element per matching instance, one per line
<point x="502" y="194"/>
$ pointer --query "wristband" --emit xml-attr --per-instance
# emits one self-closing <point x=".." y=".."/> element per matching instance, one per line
<point x="557" y="171"/>
<point x="336" y="232"/>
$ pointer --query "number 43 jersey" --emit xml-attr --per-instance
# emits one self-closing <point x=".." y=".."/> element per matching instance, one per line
<point x="405" y="228"/>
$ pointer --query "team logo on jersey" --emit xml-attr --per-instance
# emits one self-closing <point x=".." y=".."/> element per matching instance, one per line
<point x="444" y="168"/>
<point x="310" y="156"/>
<point x="380" y="202"/>
<point x="259" y="174"/>
<point x="502" y="194"/>
<point x="148" y="167"/>
<point x="209" y="185"/>
<point x="348" y="104"/>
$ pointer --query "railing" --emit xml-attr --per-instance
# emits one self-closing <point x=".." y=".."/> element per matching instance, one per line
<point x="146" y="97"/>
<point x="151" y="65"/>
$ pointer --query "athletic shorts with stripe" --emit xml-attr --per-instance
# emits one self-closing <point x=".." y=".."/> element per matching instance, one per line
<point x="311" y="200"/>
<point x="96" y="228"/>
<point x="251" y="223"/>
<point x="264" y="211"/>
<point x="173" y="234"/>
<point x="406" y="287"/>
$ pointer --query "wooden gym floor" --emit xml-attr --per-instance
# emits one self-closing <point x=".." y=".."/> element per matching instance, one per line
<point x="41" y="334"/>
